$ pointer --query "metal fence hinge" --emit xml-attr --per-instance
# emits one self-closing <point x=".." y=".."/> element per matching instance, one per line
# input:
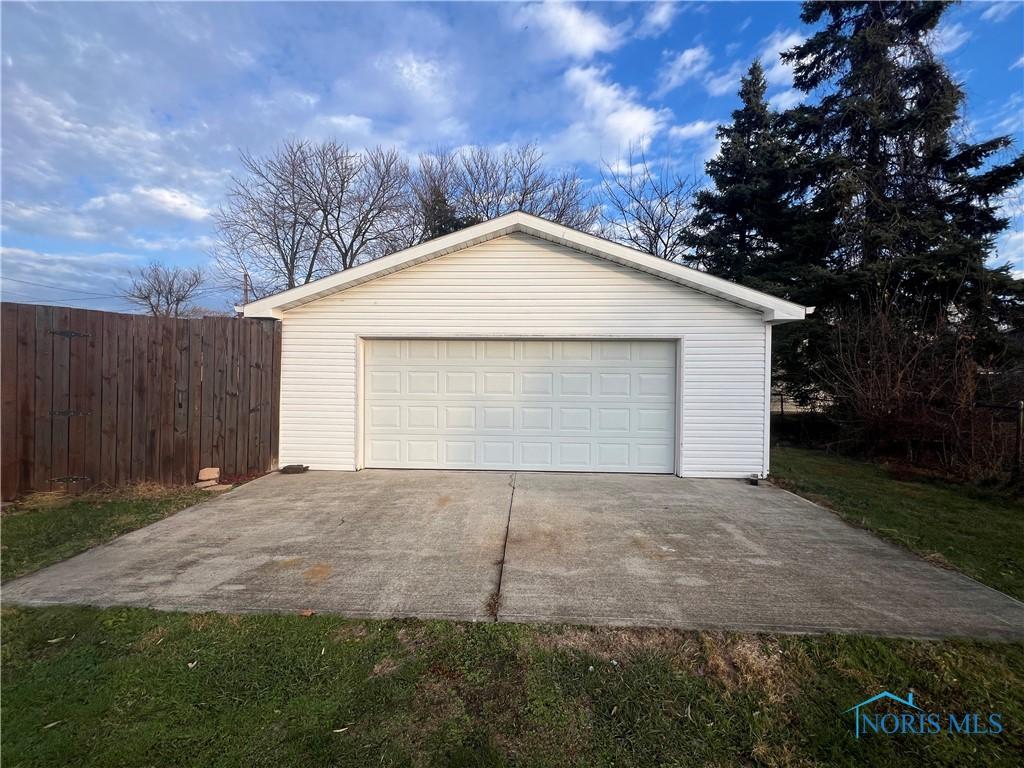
<point x="70" y="413"/>
<point x="69" y="479"/>
<point x="69" y="334"/>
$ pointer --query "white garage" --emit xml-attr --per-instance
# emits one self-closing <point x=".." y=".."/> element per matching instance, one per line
<point x="522" y="344"/>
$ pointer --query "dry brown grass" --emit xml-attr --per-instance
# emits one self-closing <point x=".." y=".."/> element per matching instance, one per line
<point x="384" y="667"/>
<point x="744" y="661"/>
<point x="619" y="644"/>
<point x="39" y="500"/>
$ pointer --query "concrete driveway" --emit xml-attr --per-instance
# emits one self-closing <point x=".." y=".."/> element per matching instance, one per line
<point x="599" y="549"/>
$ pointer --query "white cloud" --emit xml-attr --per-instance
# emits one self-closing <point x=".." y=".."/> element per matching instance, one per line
<point x="724" y="82"/>
<point x="657" y="20"/>
<point x="948" y="38"/>
<point x="349" y="124"/>
<point x="998" y="11"/>
<point x="172" y="202"/>
<point x="683" y="67"/>
<point x="786" y="99"/>
<point x="698" y="129"/>
<point x="571" y="30"/>
<point x="1018" y="64"/>
<point x="422" y="76"/>
<point x="610" y="119"/>
<point x="777" y="72"/>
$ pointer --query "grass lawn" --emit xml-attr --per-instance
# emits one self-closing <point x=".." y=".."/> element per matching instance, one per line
<point x="44" y="528"/>
<point x="128" y="687"/>
<point x="980" y="533"/>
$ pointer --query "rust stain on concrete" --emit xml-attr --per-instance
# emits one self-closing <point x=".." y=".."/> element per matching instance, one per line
<point x="318" y="573"/>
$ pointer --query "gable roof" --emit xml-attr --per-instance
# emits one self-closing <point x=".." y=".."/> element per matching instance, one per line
<point x="774" y="309"/>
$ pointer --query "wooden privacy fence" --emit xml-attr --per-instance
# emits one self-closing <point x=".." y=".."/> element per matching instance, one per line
<point x="100" y="398"/>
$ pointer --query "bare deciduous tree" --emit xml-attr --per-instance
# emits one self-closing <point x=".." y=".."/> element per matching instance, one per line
<point x="269" y="229"/>
<point x="478" y="183"/>
<point x="308" y="210"/>
<point x="165" y="291"/>
<point x="361" y="201"/>
<point x="649" y="208"/>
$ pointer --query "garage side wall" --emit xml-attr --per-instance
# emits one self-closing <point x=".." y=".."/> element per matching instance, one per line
<point x="520" y="286"/>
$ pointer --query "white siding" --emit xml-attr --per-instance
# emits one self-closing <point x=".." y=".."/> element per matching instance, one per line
<point x="520" y="286"/>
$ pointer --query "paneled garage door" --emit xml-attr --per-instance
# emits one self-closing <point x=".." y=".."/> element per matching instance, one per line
<point x="601" y="406"/>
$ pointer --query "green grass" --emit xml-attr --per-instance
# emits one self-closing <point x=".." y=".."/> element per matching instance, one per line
<point x="43" y="529"/>
<point x="981" y="533"/>
<point x="127" y="687"/>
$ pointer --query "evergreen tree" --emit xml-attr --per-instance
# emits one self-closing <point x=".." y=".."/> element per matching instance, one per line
<point x="740" y="226"/>
<point x="901" y="212"/>
<point x="440" y="217"/>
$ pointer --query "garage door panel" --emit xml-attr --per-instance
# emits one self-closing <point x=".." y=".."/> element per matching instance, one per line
<point x="559" y="405"/>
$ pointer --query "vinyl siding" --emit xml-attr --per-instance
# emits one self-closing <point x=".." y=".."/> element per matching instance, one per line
<point x="519" y="286"/>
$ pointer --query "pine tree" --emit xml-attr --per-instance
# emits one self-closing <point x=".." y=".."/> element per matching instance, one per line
<point x="440" y="216"/>
<point x="740" y="226"/>
<point x="902" y="213"/>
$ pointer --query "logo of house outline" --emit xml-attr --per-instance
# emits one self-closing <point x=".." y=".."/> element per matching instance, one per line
<point x="908" y="702"/>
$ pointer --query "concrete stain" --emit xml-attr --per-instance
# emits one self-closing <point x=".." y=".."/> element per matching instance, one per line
<point x="318" y="573"/>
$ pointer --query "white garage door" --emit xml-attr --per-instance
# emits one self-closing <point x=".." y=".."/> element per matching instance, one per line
<point x="601" y="406"/>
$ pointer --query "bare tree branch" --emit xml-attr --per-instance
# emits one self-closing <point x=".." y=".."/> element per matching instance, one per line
<point x="648" y="208"/>
<point x="164" y="291"/>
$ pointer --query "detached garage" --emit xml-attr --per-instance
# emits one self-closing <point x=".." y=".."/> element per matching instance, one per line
<point x="522" y="344"/>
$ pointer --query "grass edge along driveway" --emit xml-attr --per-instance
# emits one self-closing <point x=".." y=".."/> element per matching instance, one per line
<point x="138" y="687"/>
<point x="978" y="532"/>
<point x="45" y="528"/>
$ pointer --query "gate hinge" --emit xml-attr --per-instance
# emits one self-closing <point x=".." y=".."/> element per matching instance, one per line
<point x="68" y="479"/>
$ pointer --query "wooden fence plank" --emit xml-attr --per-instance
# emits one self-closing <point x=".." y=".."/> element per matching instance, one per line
<point x="140" y="371"/>
<point x="219" y="328"/>
<point x="179" y="467"/>
<point x="168" y="347"/>
<point x="78" y="395"/>
<point x="125" y="395"/>
<point x="93" y="396"/>
<point x="195" y="398"/>
<point x="230" y="397"/>
<point x="9" y="400"/>
<point x="26" y="331"/>
<point x="245" y="371"/>
<point x="42" y="402"/>
<point x="61" y="396"/>
<point x="254" y="372"/>
<point x="152" y="470"/>
<point x="209" y="376"/>
<point x="108" y="400"/>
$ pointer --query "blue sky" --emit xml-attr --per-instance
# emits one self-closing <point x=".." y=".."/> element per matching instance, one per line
<point x="122" y="123"/>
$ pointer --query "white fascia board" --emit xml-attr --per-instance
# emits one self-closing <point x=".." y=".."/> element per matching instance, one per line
<point x="775" y="310"/>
